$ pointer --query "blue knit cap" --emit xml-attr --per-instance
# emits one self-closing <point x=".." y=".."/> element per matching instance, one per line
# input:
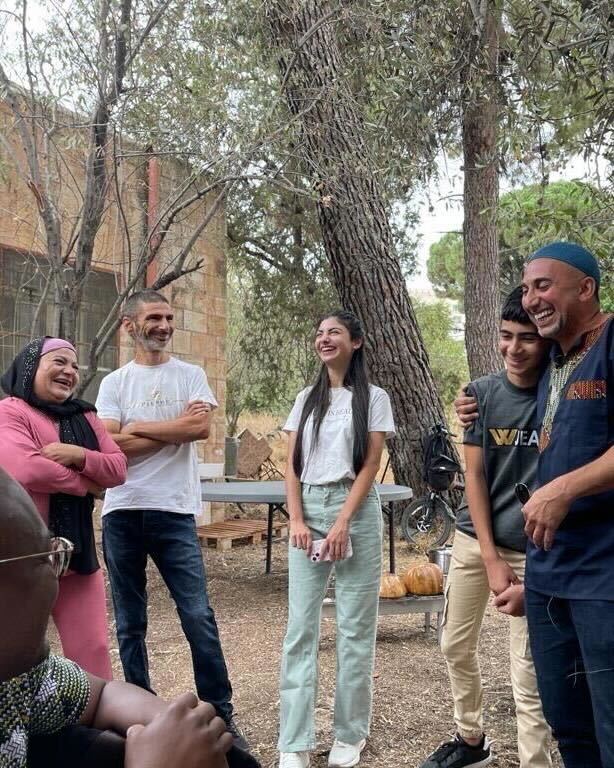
<point x="570" y="253"/>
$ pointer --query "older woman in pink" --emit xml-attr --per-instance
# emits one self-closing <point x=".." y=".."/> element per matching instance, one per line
<point x="58" y="449"/>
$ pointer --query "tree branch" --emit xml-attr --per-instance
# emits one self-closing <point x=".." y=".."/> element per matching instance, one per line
<point x="261" y="256"/>
<point x="118" y="199"/>
<point x="175" y="274"/>
<point x="26" y="56"/>
<point x="41" y="303"/>
<point x="479" y="15"/>
<point x="162" y="230"/>
<point x="47" y="209"/>
<point x="112" y="321"/>
<point x="153" y="20"/>
<point x="12" y="98"/>
<point x="181" y="257"/>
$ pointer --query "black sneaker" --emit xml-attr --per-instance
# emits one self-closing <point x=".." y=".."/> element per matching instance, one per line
<point x="238" y="739"/>
<point x="458" y="754"/>
<point x="239" y="758"/>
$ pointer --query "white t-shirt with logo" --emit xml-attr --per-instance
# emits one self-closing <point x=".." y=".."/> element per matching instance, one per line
<point x="330" y="461"/>
<point x="167" y="479"/>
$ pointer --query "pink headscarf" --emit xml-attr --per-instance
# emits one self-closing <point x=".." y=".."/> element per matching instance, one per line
<point x="50" y="345"/>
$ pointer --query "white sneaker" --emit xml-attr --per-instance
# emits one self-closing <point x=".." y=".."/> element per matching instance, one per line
<point x="344" y="755"/>
<point x="294" y="760"/>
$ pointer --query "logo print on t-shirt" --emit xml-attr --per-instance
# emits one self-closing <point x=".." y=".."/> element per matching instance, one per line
<point x="336" y="413"/>
<point x="514" y="436"/>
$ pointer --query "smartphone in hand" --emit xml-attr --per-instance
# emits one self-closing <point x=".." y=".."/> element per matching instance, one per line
<point x="316" y="551"/>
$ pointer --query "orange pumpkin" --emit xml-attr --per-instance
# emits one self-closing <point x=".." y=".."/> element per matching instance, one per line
<point x="424" y="579"/>
<point x="391" y="586"/>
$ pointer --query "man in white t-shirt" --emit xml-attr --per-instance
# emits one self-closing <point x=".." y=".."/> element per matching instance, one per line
<point x="156" y="407"/>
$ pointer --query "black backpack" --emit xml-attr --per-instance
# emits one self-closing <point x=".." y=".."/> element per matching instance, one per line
<point x="440" y="466"/>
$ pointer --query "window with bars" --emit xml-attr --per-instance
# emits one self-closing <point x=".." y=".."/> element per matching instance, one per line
<point x="23" y="278"/>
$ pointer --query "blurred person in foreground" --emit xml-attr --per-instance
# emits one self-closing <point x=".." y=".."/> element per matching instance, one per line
<point x="52" y="712"/>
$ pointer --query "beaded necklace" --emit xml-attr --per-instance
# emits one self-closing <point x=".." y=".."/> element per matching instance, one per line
<point x="559" y="377"/>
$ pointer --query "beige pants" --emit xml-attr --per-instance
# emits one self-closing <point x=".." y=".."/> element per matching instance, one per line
<point x="467" y="595"/>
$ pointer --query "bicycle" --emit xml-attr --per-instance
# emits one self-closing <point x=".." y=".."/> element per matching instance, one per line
<point x="428" y="521"/>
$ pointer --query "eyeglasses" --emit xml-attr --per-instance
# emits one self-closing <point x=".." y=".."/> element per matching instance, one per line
<point x="59" y="555"/>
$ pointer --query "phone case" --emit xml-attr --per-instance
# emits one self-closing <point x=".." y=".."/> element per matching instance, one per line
<point x="316" y="548"/>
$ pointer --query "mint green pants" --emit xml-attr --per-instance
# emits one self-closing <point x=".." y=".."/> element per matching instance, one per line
<point x="357" y="591"/>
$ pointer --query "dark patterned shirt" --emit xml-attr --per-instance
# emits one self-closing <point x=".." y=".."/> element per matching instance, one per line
<point x="575" y="404"/>
<point x="559" y="376"/>
<point x="49" y="697"/>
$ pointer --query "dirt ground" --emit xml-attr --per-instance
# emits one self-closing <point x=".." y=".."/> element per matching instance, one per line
<point x="412" y="712"/>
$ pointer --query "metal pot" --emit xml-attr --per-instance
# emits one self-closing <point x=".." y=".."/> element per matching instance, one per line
<point x="441" y="557"/>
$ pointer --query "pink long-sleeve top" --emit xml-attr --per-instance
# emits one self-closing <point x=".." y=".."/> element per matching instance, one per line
<point x="24" y="430"/>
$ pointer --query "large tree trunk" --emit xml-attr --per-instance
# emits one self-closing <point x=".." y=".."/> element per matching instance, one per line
<point x="354" y="223"/>
<point x="481" y="196"/>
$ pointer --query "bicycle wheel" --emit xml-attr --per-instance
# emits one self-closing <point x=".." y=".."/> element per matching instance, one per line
<point x="426" y="528"/>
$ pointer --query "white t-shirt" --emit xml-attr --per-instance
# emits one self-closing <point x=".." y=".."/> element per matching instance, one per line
<point x="331" y="459"/>
<point x="168" y="479"/>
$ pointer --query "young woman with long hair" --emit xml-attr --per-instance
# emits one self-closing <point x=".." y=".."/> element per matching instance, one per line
<point x="336" y="430"/>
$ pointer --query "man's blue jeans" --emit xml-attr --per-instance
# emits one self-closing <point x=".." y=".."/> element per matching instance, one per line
<point x="170" y="539"/>
<point x="572" y="642"/>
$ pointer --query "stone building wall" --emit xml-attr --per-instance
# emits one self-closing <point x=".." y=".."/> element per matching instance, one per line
<point x="199" y="299"/>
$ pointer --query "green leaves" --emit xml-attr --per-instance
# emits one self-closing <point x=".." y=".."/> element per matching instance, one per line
<point x="443" y="341"/>
<point x="528" y="218"/>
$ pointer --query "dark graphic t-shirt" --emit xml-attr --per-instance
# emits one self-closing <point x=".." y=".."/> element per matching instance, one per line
<point x="507" y="431"/>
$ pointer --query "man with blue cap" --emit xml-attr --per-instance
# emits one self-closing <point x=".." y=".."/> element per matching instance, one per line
<point x="569" y="581"/>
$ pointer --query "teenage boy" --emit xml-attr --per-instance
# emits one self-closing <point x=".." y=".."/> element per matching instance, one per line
<point x="488" y="554"/>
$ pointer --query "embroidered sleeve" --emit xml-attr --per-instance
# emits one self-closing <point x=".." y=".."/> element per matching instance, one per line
<point x="61" y="697"/>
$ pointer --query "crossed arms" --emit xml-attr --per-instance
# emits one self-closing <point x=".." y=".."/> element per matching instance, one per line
<point x="142" y="437"/>
<point x="57" y="467"/>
